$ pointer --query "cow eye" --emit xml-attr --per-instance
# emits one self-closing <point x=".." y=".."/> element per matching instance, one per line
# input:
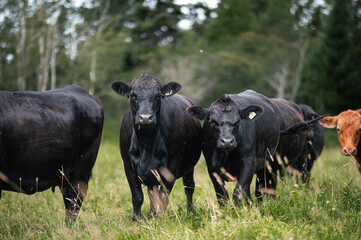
<point x="214" y="123"/>
<point x="134" y="96"/>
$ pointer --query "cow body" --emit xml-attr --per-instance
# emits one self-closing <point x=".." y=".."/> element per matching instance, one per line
<point x="240" y="133"/>
<point x="159" y="142"/>
<point x="297" y="151"/>
<point x="348" y="125"/>
<point x="49" y="139"/>
<point x="316" y="138"/>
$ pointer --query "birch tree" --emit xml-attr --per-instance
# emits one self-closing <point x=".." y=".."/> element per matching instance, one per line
<point x="93" y="62"/>
<point x="21" y="48"/>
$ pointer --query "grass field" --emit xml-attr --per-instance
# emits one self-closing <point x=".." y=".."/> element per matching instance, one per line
<point x="329" y="209"/>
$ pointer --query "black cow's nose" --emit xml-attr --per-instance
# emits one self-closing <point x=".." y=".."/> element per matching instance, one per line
<point x="227" y="142"/>
<point x="145" y="119"/>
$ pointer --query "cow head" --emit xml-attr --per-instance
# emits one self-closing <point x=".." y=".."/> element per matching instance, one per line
<point x="348" y="125"/>
<point x="146" y="94"/>
<point x="223" y="117"/>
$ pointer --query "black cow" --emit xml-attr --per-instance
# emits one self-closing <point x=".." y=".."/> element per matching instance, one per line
<point x="159" y="142"/>
<point x="240" y="132"/>
<point x="50" y="139"/>
<point x="298" y="151"/>
<point x="315" y="141"/>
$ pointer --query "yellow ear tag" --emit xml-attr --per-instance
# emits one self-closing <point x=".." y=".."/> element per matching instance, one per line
<point x="169" y="93"/>
<point x="251" y="115"/>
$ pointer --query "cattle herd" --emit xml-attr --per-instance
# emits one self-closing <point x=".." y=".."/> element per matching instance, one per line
<point x="52" y="138"/>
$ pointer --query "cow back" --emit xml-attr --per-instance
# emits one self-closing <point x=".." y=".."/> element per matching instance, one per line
<point x="45" y="132"/>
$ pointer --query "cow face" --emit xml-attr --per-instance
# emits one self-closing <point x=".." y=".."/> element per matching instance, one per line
<point x="223" y="117"/>
<point x="146" y="94"/>
<point x="348" y="125"/>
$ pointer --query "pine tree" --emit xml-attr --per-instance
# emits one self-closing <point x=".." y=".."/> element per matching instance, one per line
<point x="331" y="74"/>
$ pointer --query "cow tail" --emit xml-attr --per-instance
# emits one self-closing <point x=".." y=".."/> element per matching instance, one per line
<point x="302" y="127"/>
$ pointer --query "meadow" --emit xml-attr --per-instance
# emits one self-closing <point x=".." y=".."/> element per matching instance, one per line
<point x="330" y="208"/>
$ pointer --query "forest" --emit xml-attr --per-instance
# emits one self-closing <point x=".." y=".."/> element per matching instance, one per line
<point x="308" y="51"/>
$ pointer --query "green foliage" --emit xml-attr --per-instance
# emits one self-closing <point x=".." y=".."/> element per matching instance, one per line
<point x="332" y="68"/>
<point x="233" y="17"/>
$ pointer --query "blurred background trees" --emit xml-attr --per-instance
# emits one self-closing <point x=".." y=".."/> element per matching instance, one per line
<point x="308" y="51"/>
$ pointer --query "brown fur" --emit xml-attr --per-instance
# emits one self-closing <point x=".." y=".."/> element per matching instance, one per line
<point x="348" y="125"/>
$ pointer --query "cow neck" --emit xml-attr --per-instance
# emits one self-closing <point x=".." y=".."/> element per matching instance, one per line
<point x="147" y="137"/>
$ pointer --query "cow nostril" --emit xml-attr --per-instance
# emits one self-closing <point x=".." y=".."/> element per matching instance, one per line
<point x="145" y="118"/>
<point x="349" y="151"/>
<point x="227" y="140"/>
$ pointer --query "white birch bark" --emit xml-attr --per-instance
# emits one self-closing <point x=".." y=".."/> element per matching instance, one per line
<point x="279" y="82"/>
<point x="94" y="54"/>
<point x="46" y="58"/>
<point x="20" y="48"/>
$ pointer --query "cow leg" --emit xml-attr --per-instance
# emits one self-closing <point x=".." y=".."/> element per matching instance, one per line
<point x="271" y="176"/>
<point x="158" y="198"/>
<point x="266" y="183"/>
<point x="164" y="198"/>
<point x="278" y="166"/>
<point x="305" y="169"/>
<point x="242" y="190"/>
<point x="154" y="199"/>
<point x="260" y="184"/>
<point x="73" y="195"/>
<point x="164" y="193"/>
<point x="188" y="183"/>
<point x="135" y="188"/>
<point x="219" y="188"/>
<point x="75" y="191"/>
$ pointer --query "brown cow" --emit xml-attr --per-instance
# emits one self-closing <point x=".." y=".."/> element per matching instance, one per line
<point x="348" y="125"/>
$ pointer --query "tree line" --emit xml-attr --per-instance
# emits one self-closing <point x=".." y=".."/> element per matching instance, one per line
<point x="302" y="50"/>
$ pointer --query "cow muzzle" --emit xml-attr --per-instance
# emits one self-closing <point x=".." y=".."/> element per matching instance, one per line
<point x="145" y="119"/>
<point x="227" y="143"/>
<point x="347" y="151"/>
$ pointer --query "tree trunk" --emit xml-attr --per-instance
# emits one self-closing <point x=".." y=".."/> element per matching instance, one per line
<point x="1" y="69"/>
<point x="46" y="58"/>
<point x="41" y="43"/>
<point x="280" y="80"/>
<point x="92" y="73"/>
<point x="93" y="63"/>
<point x="53" y="64"/>
<point x="41" y="61"/>
<point x="297" y="83"/>
<point x="20" y="48"/>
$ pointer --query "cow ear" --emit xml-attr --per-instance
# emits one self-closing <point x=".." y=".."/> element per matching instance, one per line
<point x="171" y="88"/>
<point x="197" y="112"/>
<point x="328" y="122"/>
<point x="252" y="112"/>
<point x="121" y="88"/>
<point x="358" y="111"/>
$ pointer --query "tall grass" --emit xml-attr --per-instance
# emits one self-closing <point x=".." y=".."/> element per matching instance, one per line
<point x="329" y="209"/>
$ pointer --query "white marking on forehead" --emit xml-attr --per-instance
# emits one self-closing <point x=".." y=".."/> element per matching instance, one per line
<point x="251" y="115"/>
